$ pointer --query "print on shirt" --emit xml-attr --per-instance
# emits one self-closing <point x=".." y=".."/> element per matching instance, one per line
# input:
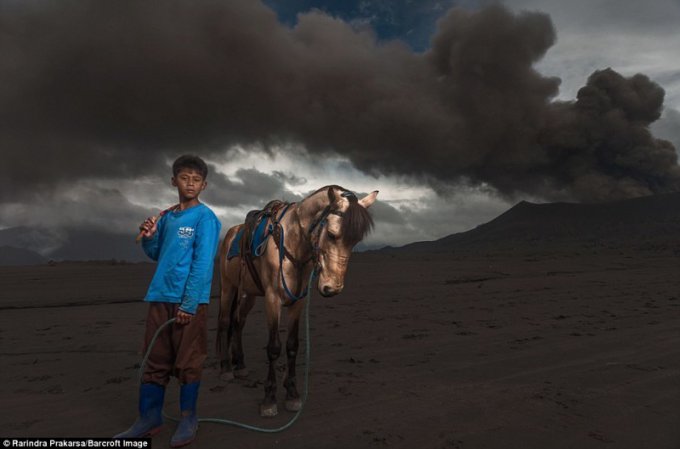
<point x="185" y="234"/>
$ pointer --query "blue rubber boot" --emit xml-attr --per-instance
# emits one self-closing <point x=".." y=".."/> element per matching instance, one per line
<point x="188" y="424"/>
<point x="150" y="420"/>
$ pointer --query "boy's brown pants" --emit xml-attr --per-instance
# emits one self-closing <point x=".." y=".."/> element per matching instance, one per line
<point x="180" y="349"/>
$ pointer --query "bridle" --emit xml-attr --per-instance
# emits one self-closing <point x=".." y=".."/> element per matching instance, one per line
<point x="314" y="235"/>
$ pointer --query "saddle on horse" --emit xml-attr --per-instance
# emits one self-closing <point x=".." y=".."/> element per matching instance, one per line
<point x="251" y="240"/>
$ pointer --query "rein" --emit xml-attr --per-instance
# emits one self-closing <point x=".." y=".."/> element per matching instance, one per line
<point x="276" y="229"/>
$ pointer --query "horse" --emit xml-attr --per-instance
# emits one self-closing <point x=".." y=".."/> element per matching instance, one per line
<point x="318" y="233"/>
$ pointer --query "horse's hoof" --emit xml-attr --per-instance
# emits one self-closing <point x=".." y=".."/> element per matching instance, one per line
<point x="241" y="373"/>
<point x="294" y="405"/>
<point x="268" y="410"/>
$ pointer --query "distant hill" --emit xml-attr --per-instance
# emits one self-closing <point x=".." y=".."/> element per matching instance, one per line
<point x="19" y="256"/>
<point x="98" y="245"/>
<point x="73" y="244"/>
<point x="38" y="240"/>
<point x="651" y="222"/>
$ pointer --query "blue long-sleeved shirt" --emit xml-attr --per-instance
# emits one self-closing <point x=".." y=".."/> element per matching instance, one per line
<point x="184" y="245"/>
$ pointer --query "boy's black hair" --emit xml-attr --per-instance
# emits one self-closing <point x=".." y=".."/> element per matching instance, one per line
<point x="191" y="162"/>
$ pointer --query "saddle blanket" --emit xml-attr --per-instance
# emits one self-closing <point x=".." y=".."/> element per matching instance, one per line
<point x="260" y="234"/>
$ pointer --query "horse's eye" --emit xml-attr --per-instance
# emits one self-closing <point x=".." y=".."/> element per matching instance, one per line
<point x="332" y="237"/>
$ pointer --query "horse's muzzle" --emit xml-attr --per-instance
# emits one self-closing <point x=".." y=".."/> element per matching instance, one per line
<point x="327" y="291"/>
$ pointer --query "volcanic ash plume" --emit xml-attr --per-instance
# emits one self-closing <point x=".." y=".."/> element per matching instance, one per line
<point x="111" y="90"/>
<point x="602" y="143"/>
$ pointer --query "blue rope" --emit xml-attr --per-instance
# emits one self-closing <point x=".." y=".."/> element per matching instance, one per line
<point x="282" y="253"/>
<point x="305" y="392"/>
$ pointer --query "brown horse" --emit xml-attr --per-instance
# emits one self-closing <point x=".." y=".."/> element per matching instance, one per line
<point x="317" y="233"/>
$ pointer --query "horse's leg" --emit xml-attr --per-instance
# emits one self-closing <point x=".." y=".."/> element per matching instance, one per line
<point x="268" y="407"/>
<point x="246" y="303"/>
<point x="228" y="305"/>
<point x="230" y="275"/>
<point x="293" y="401"/>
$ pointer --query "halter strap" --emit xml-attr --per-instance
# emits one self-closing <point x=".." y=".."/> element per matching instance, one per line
<point x="277" y="232"/>
<point x="322" y="217"/>
<point x="349" y="195"/>
<point x="329" y="211"/>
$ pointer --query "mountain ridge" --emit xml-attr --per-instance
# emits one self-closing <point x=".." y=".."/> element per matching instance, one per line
<point x="651" y="222"/>
<point x="635" y="222"/>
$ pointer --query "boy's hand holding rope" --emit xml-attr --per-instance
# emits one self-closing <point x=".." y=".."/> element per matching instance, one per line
<point x="147" y="229"/>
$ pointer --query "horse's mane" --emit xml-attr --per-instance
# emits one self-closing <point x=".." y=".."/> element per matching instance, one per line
<point x="356" y="221"/>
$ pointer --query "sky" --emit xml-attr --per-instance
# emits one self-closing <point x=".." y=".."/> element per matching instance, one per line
<point x="453" y="110"/>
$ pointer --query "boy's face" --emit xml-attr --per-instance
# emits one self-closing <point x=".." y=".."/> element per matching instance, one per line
<point x="189" y="183"/>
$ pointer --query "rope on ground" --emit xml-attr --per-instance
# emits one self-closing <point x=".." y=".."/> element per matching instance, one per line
<point x="305" y="392"/>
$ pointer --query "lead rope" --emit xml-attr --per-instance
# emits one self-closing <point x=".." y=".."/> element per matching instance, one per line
<point x="305" y="391"/>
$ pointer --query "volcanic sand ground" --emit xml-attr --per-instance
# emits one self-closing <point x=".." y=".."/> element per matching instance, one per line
<point x="575" y="350"/>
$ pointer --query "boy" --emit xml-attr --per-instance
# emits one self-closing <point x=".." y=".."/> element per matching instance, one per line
<point x="184" y="242"/>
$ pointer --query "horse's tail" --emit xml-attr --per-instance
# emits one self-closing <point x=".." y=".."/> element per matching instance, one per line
<point x="229" y="298"/>
<point x="224" y="333"/>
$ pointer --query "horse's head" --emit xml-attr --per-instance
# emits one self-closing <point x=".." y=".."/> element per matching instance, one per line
<point x="341" y="224"/>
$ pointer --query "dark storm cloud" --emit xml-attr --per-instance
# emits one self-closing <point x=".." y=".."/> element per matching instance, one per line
<point x="83" y="207"/>
<point x="624" y="16"/>
<point x="251" y="188"/>
<point x="108" y="89"/>
<point x="402" y="222"/>
<point x="668" y="127"/>
<point x="603" y="143"/>
<point x="289" y="178"/>
<point x="383" y="212"/>
<point x="390" y="19"/>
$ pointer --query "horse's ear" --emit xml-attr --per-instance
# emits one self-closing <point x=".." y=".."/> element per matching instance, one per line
<point x="369" y="199"/>
<point x="331" y="195"/>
